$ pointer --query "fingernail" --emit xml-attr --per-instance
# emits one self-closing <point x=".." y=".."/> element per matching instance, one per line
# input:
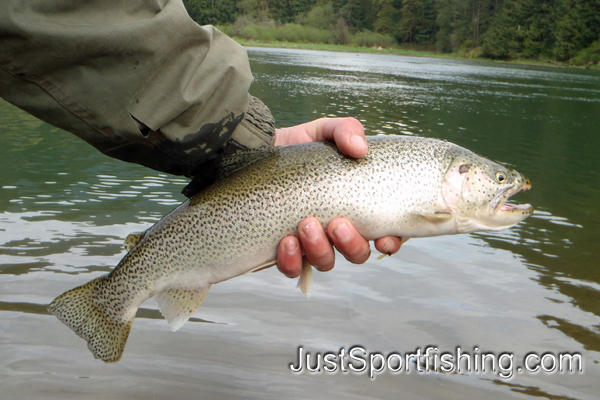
<point x="312" y="232"/>
<point x="358" y="141"/>
<point x="342" y="232"/>
<point x="290" y="246"/>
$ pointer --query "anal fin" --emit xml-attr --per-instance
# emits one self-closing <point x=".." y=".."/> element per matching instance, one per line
<point x="305" y="282"/>
<point x="178" y="305"/>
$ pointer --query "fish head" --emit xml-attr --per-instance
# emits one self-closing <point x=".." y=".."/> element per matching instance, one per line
<point x="477" y="189"/>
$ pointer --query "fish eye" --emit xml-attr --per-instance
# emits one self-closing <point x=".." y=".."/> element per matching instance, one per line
<point x="500" y="177"/>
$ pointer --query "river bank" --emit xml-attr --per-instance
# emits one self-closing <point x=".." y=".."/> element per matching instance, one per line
<point x="469" y="56"/>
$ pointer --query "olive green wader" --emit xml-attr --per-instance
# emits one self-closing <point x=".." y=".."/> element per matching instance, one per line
<point x="94" y="67"/>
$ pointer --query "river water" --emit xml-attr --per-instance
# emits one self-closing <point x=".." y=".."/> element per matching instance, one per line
<point x="534" y="290"/>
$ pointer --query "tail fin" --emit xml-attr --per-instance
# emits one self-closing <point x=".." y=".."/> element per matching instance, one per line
<point x="105" y="330"/>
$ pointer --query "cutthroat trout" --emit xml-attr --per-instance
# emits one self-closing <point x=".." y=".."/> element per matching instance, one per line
<point x="405" y="186"/>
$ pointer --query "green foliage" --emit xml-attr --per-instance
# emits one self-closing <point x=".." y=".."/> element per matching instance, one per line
<point x="500" y="41"/>
<point x="446" y="23"/>
<point x="522" y="29"/>
<point x="287" y="10"/>
<point x="571" y="31"/>
<point x="501" y="29"/>
<point x="341" y="32"/>
<point x="226" y="29"/>
<point x="356" y="14"/>
<point x="238" y="28"/>
<point x="408" y="21"/>
<point x="462" y="23"/>
<point x="534" y="28"/>
<point x="371" y="39"/>
<point x="387" y="18"/>
<point x="417" y="22"/>
<point x="258" y="32"/>
<point x="211" y="12"/>
<point x="589" y="55"/>
<point x="285" y="33"/>
<point x="320" y="16"/>
<point x="296" y="33"/>
<point x="427" y="28"/>
<point x="256" y="9"/>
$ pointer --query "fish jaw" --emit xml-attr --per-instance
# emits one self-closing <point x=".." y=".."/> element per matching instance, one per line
<point x="477" y="190"/>
<point x="508" y="214"/>
<point x="522" y="183"/>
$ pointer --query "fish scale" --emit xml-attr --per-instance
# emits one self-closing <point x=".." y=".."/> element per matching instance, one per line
<point x="405" y="186"/>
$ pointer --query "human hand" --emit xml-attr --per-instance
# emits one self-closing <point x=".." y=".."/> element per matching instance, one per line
<point x="349" y="136"/>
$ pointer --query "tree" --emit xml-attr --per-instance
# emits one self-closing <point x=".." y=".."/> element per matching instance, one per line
<point x="417" y="22"/>
<point x="503" y="28"/>
<point x="446" y="23"/>
<point x="532" y="28"/>
<point x="320" y="16"/>
<point x="256" y="9"/>
<point x="211" y="12"/>
<point x="464" y="22"/>
<point x="571" y="33"/>
<point x="387" y="15"/>
<point x="505" y="37"/>
<point x="409" y="22"/>
<point x="427" y="26"/>
<point x="288" y="10"/>
<point x="356" y="14"/>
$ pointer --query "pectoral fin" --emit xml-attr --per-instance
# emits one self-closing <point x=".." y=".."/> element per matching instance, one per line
<point x="437" y="216"/>
<point x="178" y="305"/>
<point x="305" y="282"/>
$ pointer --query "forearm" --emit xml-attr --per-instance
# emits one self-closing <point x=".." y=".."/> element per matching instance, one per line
<point x="94" y="70"/>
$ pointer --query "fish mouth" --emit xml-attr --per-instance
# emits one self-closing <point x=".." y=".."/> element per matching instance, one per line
<point x="500" y="205"/>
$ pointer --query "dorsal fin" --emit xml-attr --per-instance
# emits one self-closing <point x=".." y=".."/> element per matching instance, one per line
<point x="232" y="163"/>
<point x="133" y="239"/>
<point x="223" y="167"/>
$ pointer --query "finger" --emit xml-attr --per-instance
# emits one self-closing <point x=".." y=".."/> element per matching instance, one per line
<point x="348" y="241"/>
<point x="348" y="134"/>
<point x="319" y="252"/>
<point x="289" y="257"/>
<point x="388" y="244"/>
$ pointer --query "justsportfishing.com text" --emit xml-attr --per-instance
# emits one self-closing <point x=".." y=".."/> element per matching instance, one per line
<point x="357" y="360"/>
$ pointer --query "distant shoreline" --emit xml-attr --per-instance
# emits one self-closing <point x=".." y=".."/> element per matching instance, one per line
<point x="404" y="52"/>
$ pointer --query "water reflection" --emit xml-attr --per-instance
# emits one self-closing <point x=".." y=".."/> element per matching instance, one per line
<point x="103" y="188"/>
<point x="532" y="391"/>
